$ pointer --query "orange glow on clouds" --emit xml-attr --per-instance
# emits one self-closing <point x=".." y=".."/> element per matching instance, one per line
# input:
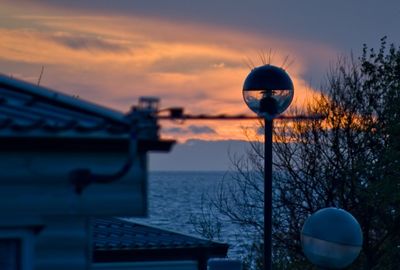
<point x="114" y="60"/>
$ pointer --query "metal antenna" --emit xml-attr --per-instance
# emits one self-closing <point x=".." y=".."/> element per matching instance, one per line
<point x="40" y="76"/>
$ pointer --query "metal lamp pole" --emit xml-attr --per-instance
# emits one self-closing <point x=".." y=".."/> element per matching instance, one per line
<point x="268" y="125"/>
<point x="268" y="91"/>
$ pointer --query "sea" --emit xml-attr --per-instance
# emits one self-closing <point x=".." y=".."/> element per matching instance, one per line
<point x="175" y="198"/>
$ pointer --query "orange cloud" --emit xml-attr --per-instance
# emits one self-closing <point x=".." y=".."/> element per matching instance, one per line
<point x="113" y="60"/>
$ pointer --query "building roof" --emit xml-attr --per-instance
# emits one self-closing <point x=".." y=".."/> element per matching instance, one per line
<point x="34" y="118"/>
<point x="120" y="240"/>
<point x="34" y="111"/>
<point x="117" y="234"/>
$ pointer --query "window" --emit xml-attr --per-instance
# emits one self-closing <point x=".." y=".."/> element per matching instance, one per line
<point x="16" y="249"/>
<point x="10" y="254"/>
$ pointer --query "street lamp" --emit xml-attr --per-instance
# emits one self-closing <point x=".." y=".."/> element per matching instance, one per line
<point x="268" y="91"/>
<point x="331" y="238"/>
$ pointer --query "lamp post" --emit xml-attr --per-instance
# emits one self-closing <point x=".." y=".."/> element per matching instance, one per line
<point x="268" y="91"/>
<point x="331" y="238"/>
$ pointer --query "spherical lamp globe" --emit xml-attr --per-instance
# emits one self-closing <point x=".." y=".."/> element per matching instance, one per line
<point x="331" y="238"/>
<point x="268" y="91"/>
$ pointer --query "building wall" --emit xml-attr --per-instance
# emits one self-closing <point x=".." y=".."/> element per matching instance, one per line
<point x="36" y="192"/>
<point x="63" y="244"/>
<point x="40" y="184"/>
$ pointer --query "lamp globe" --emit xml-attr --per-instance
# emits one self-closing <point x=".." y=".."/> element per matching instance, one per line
<point x="331" y="238"/>
<point x="268" y="91"/>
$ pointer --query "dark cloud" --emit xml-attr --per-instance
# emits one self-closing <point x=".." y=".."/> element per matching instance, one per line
<point x="175" y="130"/>
<point x="343" y="24"/>
<point x="87" y="42"/>
<point x="260" y="131"/>
<point x="192" y="129"/>
<point x="192" y="64"/>
<point x="201" y="130"/>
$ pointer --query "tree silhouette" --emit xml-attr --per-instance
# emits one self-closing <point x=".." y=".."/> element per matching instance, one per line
<point x="348" y="160"/>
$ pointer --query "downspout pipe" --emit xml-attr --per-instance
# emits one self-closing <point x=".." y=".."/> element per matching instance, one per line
<point x="83" y="177"/>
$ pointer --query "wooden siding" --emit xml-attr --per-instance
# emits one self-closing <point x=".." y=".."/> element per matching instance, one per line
<point x="34" y="184"/>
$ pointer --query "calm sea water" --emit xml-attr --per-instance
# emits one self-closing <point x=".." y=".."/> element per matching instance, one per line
<point x="175" y="196"/>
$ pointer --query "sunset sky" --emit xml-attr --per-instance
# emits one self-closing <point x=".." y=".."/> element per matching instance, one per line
<point x="188" y="53"/>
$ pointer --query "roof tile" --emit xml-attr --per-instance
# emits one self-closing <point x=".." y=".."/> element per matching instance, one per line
<point x="114" y="234"/>
<point x="26" y="109"/>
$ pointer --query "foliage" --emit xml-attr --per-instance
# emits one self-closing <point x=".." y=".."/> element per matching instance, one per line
<point x="348" y="160"/>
